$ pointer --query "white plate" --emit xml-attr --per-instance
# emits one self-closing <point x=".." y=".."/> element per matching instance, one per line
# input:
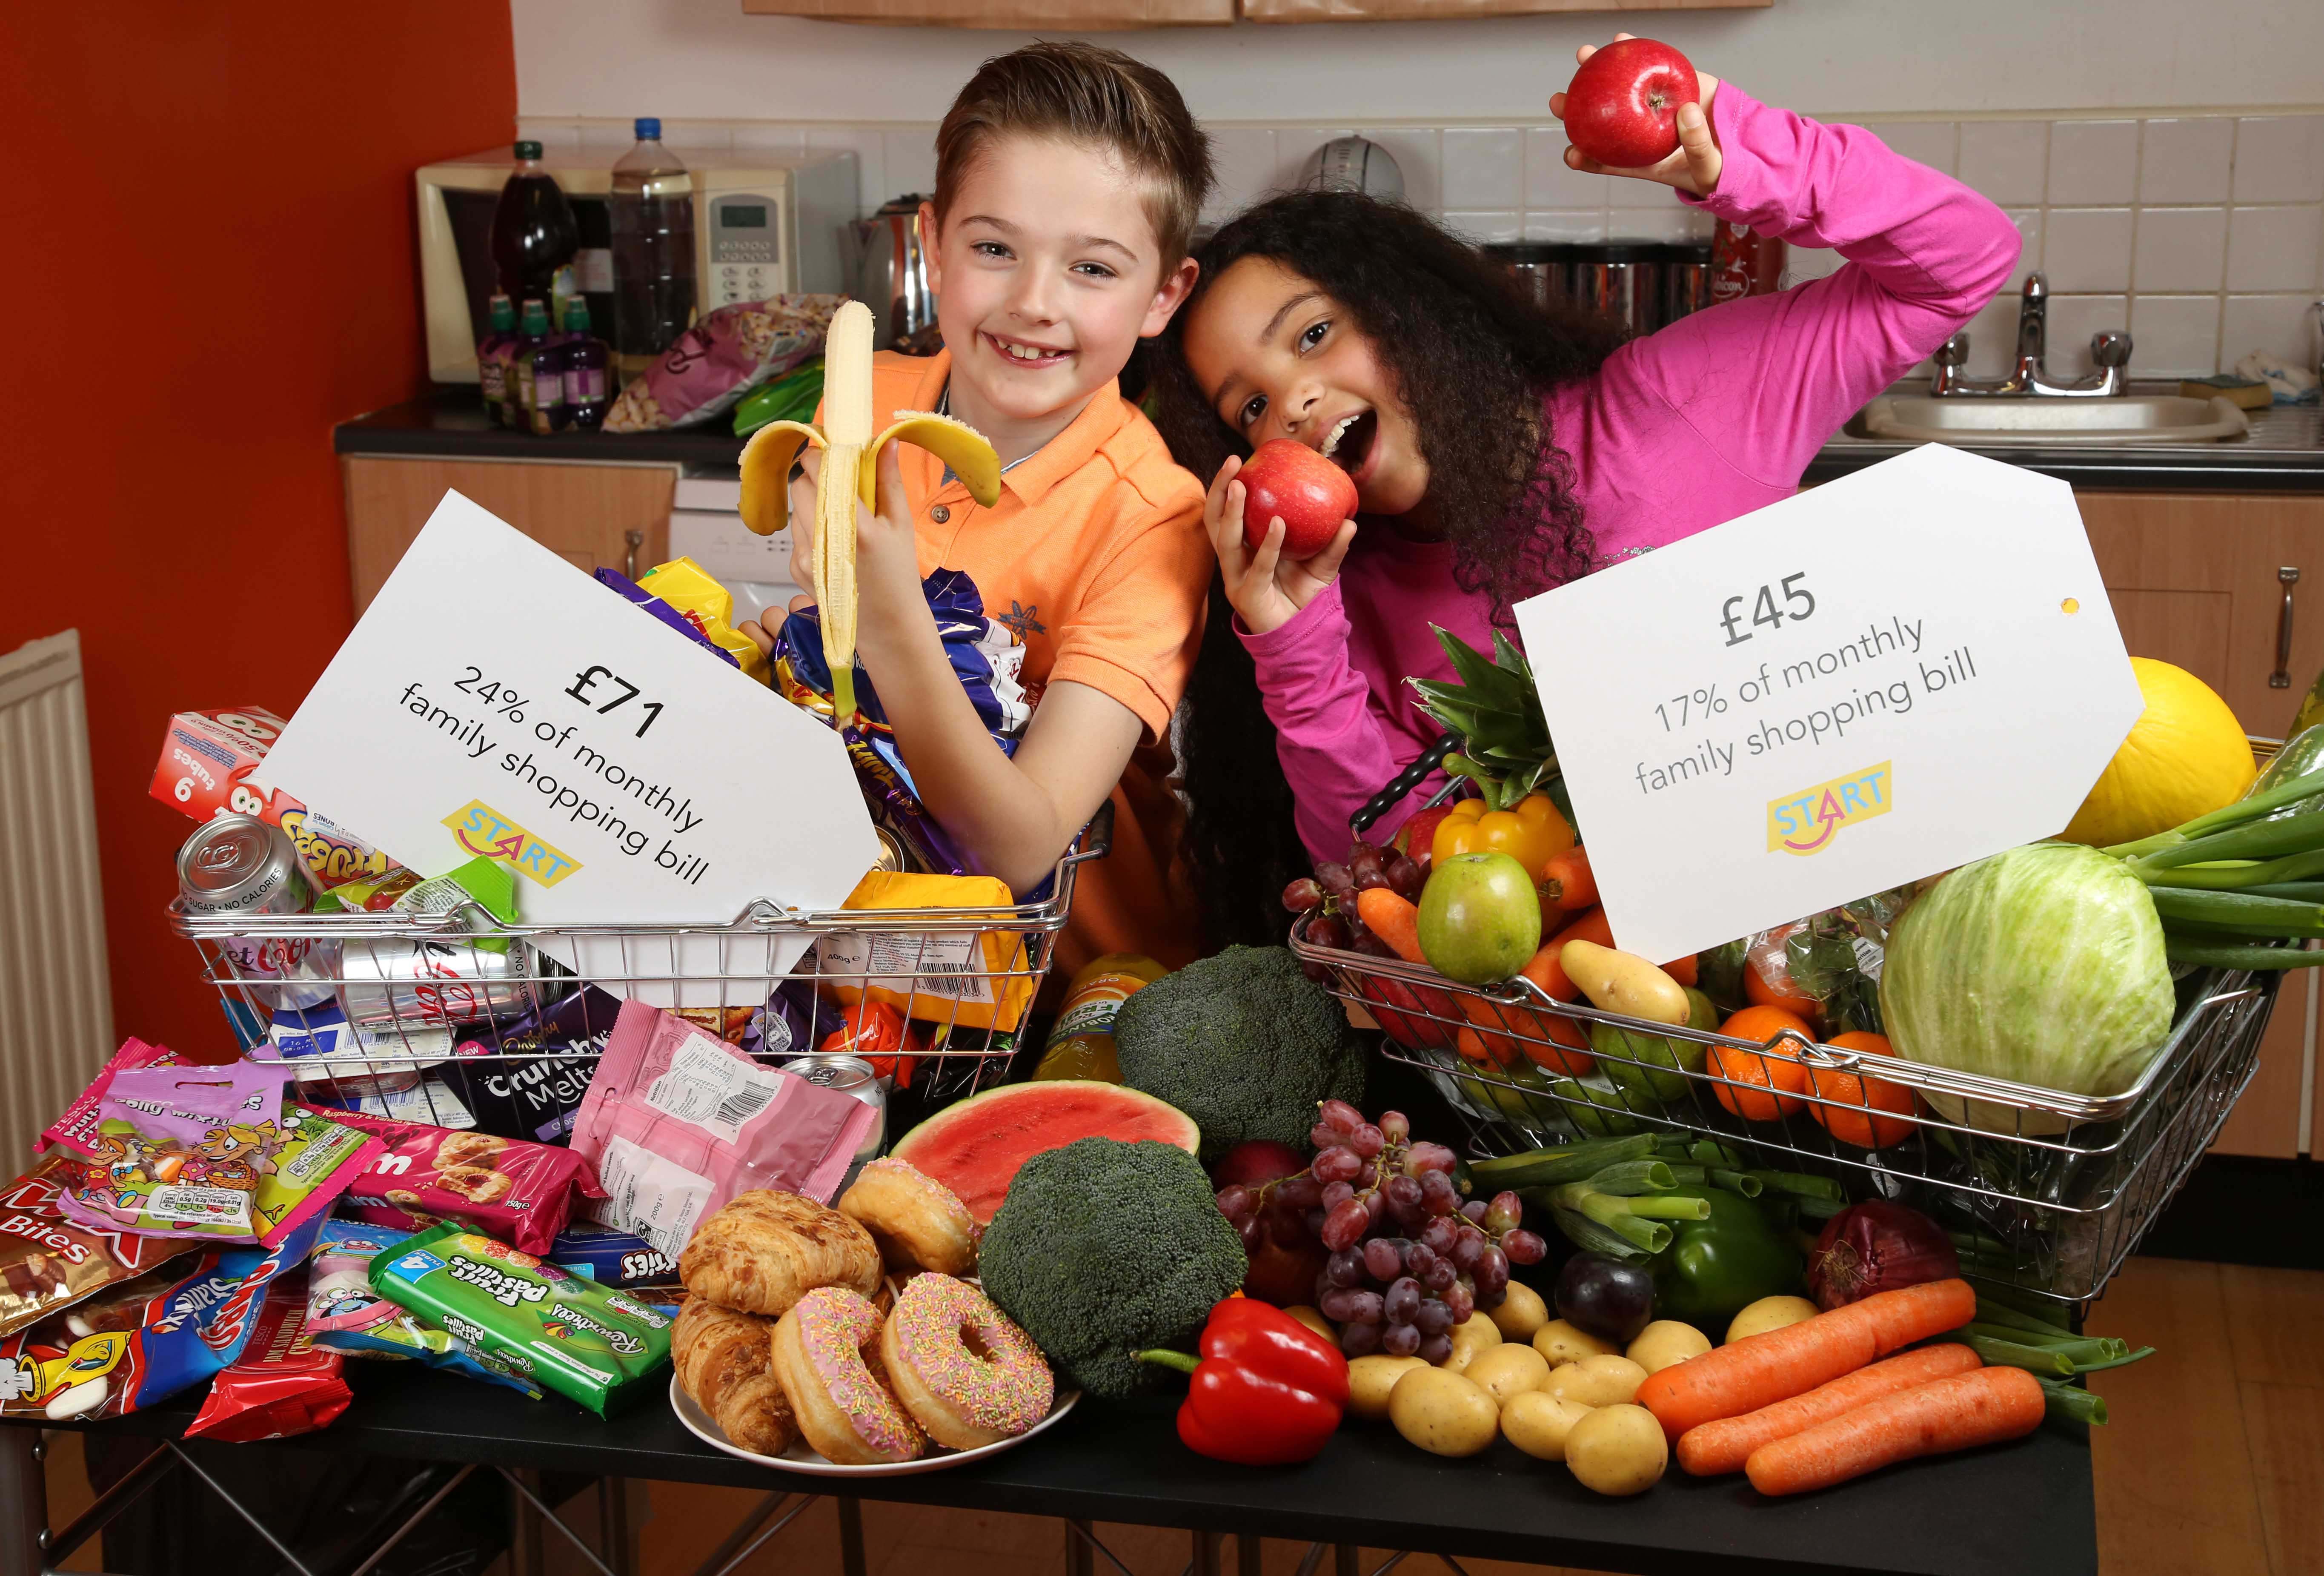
<point x="803" y="1457"/>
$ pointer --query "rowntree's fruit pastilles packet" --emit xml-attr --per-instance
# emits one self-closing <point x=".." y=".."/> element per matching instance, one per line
<point x="590" y="1343"/>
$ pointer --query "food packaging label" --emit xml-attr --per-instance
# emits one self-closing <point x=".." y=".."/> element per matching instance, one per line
<point x="611" y="1258"/>
<point x="518" y="1190"/>
<point x="968" y="980"/>
<point x="49" y="1262"/>
<point x="658" y="1199"/>
<point x="282" y="1384"/>
<point x="208" y="766"/>
<point x="346" y="1314"/>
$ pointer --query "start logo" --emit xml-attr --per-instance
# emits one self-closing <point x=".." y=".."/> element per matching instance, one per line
<point x="482" y="830"/>
<point x="1806" y="822"/>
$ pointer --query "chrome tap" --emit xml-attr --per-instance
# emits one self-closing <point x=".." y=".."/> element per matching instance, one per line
<point x="2110" y="350"/>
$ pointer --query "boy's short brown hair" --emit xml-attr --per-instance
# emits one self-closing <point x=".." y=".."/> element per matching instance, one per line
<point x="1097" y="98"/>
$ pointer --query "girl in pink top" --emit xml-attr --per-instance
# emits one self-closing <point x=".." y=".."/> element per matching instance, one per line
<point x="1498" y="450"/>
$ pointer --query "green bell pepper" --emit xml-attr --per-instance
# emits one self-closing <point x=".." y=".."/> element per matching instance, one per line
<point x="1713" y="1269"/>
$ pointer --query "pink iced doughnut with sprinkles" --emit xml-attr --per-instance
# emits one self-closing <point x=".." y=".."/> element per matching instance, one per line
<point x="824" y="1349"/>
<point x="962" y="1369"/>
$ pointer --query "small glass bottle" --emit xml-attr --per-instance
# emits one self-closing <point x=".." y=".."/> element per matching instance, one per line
<point x="585" y="360"/>
<point x="493" y="353"/>
<point x="537" y="392"/>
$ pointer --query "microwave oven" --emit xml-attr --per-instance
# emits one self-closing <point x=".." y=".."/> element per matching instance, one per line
<point x="763" y="226"/>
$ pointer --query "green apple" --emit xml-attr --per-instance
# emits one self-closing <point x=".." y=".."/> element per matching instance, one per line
<point x="1479" y="918"/>
<point x="1660" y="1076"/>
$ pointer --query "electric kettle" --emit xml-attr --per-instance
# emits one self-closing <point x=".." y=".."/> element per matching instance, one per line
<point x="891" y="278"/>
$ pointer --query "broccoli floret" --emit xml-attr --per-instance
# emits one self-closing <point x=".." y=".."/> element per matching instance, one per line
<point x="1243" y="1043"/>
<point x="1105" y="1249"/>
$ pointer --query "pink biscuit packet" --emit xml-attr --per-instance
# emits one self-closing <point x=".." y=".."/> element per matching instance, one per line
<point x="679" y="1122"/>
<point x="517" y="1192"/>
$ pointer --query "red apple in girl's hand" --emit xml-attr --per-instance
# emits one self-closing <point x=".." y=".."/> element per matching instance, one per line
<point x="1622" y="109"/>
<point x="1286" y="479"/>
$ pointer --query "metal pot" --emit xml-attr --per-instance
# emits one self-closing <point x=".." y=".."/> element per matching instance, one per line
<point x="891" y="278"/>
<point x="1642" y="285"/>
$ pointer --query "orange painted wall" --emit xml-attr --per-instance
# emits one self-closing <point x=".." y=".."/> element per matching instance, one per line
<point x="209" y="258"/>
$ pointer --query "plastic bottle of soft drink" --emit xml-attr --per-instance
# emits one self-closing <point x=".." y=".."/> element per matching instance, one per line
<point x="652" y="212"/>
<point x="534" y="233"/>
<point x="492" y="359"/>
<point x="537" y="373"/>
<point x="585" y="360"/>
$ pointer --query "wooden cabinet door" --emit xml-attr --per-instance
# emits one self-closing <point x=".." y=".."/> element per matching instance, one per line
<point x="2194" y="581"/>
<point x="586" y="514"/>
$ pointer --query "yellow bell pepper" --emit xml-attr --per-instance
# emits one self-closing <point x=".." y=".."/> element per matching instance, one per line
<point x="1529" y="832"/>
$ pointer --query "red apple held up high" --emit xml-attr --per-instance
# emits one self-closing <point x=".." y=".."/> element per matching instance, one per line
<point x="1622" y="109"/>
<point x="1286" y="479"/>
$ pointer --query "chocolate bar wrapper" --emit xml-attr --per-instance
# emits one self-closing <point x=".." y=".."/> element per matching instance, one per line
<point x="638" y="596"/>
<point x="142" y="1343"/>
<point x="537" y="1094"/>
<point x="611" y="1259"/>
<point x="282" y="1383"/>
<point x="590" y="1343"/>
<point x="503" y="1187"/>
<point x="344" y="1315"/>
<point x="47" y="1262"/>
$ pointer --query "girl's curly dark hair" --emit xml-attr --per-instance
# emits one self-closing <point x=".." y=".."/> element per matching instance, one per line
<point x="1473" y="359"/>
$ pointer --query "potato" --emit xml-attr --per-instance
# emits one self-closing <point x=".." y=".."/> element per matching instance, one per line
<point x="1559" y="1343"/>
<point x="1510" y="1369"/>
<point x="1443" y="1413"/>
<point x="1521" y="1312"/>
<point x="1770" y="1314"/>
<point x="1621" y="981"/>
<point x="1665" y="1342"/>
<point x="1315" y="1322"/>
<point x="1471" y="1337"/>
<point x="1371" y="1378"/>
<point x="1537" y="1422"/>
<point x="1618" y="1450"/>
<point x="1597" y="1381"/>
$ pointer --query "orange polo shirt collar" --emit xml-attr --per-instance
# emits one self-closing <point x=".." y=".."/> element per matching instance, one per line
<point x="1041" y="470"/>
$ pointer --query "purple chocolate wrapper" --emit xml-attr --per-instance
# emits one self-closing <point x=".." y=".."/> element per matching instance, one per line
<point x="780" y="1028"/>
<point x="536" y="1093"/>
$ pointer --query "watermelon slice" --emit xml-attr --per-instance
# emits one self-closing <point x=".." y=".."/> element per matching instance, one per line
<point x="975" y="1146"/>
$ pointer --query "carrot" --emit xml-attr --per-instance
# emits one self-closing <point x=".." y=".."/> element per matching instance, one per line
<point x="1577" y="889"/>
<point x="1984" y="1407"/>
<point x="1684" y="971"/>
<point x="1394" y="920"/>
<point x="1710" y="1448"/>
<point x="1760" y="1371"/>
<point x="1547" y="972"/>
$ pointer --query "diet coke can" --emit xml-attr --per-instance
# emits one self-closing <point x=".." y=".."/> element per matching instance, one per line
<point x="849" y="1075"/>
<point x="403" y="984"/>
<point x="239" y="864"/>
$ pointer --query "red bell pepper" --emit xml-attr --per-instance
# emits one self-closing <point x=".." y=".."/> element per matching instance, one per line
<point x="1267" y="1391"/>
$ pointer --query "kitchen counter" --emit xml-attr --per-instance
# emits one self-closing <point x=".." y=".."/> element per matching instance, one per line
<point x="2283" y="453"/>
<point x="450" y="424"/>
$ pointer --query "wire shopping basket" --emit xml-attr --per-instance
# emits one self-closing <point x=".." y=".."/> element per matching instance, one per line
<point x="2047" y="1192"/>
<point x="430" y="1017"/>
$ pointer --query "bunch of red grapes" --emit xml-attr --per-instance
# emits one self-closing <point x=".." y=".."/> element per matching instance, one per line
<point x="1409" y="1259"/>
<point x="1333" y="889"/>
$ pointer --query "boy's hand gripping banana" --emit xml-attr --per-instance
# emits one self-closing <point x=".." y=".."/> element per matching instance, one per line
<point x="851" y="461"/>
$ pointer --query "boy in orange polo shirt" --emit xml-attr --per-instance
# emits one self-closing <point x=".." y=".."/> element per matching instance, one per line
<point x="1068" y="180"/>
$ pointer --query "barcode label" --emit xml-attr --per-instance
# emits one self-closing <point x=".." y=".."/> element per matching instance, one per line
<point x="742" y="1105"/>
<point x="652" y="1197"/>
<point x="934" y="964"/>
<point x="713" y="1087"/>
<point x="956" y="981"/>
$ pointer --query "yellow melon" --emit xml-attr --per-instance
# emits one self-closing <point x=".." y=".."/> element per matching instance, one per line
<point x="2185" y="756"/>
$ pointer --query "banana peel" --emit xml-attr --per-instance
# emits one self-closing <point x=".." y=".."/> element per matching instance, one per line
<point x="850" y="472"/>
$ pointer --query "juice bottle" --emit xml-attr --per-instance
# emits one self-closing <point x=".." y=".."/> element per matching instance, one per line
<point x="1081" y="1046"/>
<point x="585" y="359"/>
<point x="651" y="208"/>
<point x="537" y="372"/>
<point x="533" y="230"/>
<point x="492" y="359"/>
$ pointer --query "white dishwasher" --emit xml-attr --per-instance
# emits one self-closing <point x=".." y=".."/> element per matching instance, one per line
<point x="706" y="525"/>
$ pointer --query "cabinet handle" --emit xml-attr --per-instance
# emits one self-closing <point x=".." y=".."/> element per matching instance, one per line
<point x="637" y="539"/>
<point x="2281" y="678"/>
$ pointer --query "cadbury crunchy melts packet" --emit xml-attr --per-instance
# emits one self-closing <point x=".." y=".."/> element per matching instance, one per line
<point x="591" y="1343"/>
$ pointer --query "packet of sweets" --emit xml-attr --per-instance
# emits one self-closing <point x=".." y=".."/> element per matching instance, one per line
<point x="345" y="1314"/>
<point x="507" y="1187"/>
<point x="141" y="1342"/>
<point x="282" y="1383"/>
<point x="76" y="1129"/>
<point x="965" y="979"/>
<point x="47" y="1262"/>
<point x="698" y="598"/>
<point x="487" y="883"/>
<point x="679" y="1122"/>
<point x="631" y="592"/>
<point x="210" y="1152"/>
<point x="590" y="1343"/>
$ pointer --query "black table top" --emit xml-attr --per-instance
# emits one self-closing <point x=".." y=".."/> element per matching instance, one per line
<point x="451" y="424"/>
<point x="2024" y="1506"/>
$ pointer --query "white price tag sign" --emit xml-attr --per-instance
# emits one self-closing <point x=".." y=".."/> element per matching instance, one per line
<point x="1878" y="679"/>
<point x="495" y="700"/>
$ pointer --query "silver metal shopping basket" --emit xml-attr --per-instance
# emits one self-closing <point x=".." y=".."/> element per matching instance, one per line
<point x="421" y="1015"/>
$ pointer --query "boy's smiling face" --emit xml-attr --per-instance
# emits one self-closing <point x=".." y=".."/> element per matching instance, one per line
<point x="1048" y="272"/>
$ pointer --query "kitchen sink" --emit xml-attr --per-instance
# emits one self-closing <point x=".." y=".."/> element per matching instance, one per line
<point x="2030" y="420"/>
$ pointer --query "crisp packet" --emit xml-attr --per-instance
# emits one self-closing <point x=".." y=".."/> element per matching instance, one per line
<point x="679" y="1122"/>
<point x="47" y="1262"/>
<point x="344" y="1315"/>
<point x="611" y="1258"/>
<point x="535" y="1086"/>
<point x="977" y="979"/>
<point x="144" y="1342"/>
<point x="282" y="1383"/>
<point x="512" y="1189"/>
<point x="711" y="365"/>
<point x="590" y="1343"/>
<point x="698" y="598"/>
<point x="210" y="1152"/>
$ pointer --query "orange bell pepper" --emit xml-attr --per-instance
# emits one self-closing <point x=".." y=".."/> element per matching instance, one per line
<point x="1529" y="832"/>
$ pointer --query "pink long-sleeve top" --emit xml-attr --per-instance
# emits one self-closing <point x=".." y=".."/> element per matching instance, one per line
<point x="1713" y="417"/>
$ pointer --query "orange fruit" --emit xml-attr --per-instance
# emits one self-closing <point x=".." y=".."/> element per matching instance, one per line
<point x="1789" y="997"/>
<point x="1860" y="1126"/>
<point x="1780" y="1076"/>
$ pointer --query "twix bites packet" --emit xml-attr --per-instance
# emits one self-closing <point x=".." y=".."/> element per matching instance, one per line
<point x="588" y="1342"/>
<point x="48" y="1262"/>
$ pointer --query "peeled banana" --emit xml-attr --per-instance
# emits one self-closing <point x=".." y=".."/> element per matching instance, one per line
<point x="851" y="465"/>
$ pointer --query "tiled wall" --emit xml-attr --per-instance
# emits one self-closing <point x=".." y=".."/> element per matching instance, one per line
<point x="2202" y="234"/>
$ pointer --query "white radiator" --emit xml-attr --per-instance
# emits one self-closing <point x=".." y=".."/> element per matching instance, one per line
<point x="56" y="1005"/>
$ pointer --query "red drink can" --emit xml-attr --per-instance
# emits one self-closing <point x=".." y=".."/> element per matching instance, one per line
<point x="1744" y="263"/>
